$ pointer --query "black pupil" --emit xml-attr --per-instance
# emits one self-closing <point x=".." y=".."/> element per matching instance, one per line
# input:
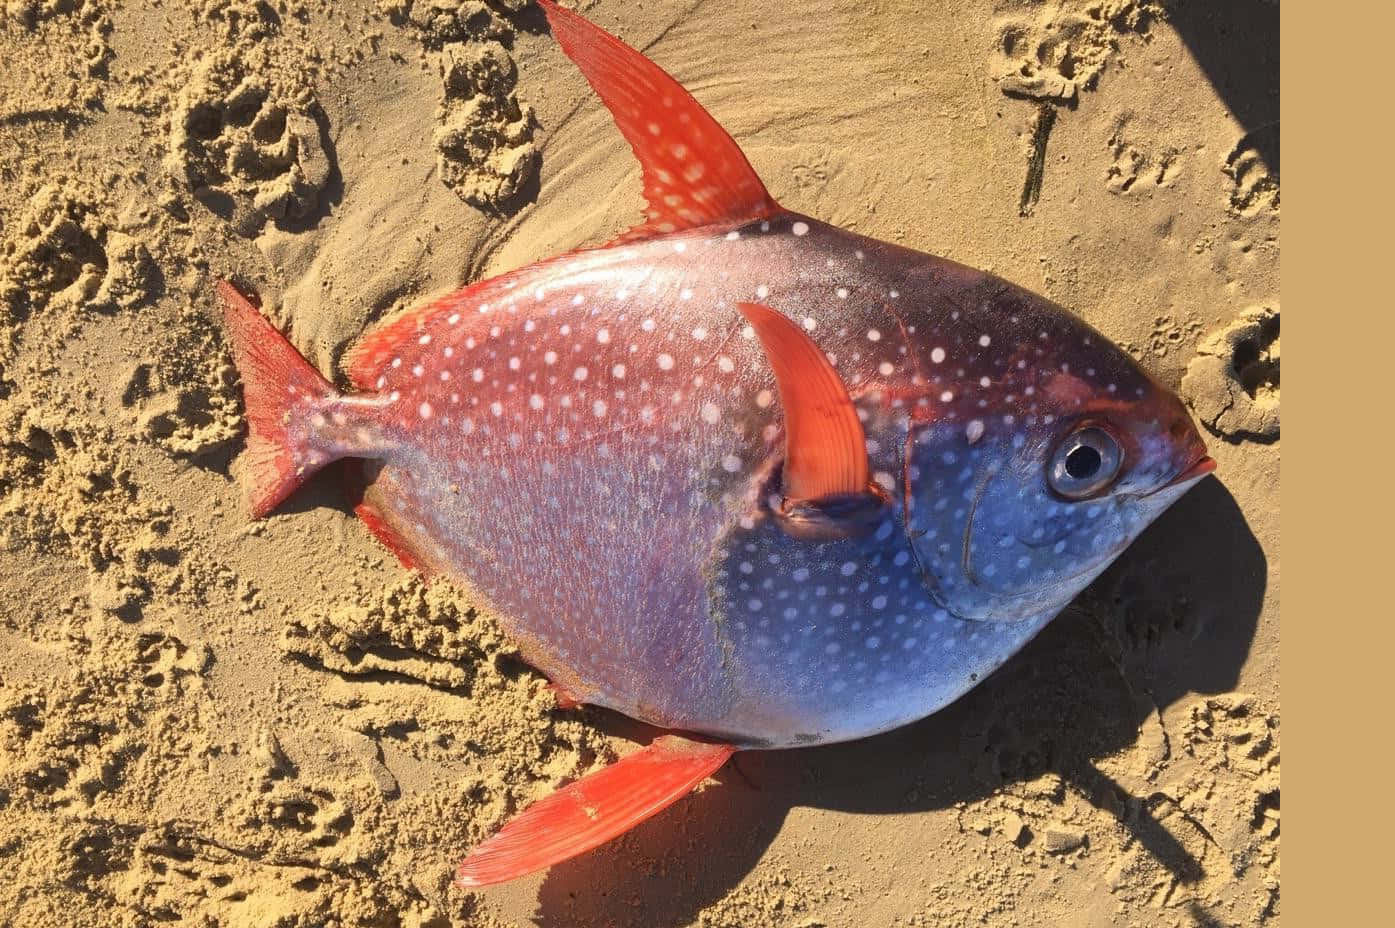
<point x="1083" y="462"/>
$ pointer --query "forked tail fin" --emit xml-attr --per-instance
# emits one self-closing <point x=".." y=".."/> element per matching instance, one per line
<point x="281" y="393"/>
<point x="594" y="809"/>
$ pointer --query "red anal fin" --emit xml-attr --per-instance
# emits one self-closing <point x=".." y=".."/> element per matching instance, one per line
<point x="387" y="535"/>
<point x="594" y="809"/>
<point x="694" y="173"/>
<point x="563" y="697"/>
<point x="825" y="448"/>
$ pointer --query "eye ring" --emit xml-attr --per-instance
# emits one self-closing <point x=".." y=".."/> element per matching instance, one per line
<point x="1085" y="463"/>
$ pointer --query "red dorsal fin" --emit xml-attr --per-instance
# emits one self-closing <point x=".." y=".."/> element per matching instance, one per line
<point x="694" y="173"/>
<point x="825" y="448"/>
<point x="594" y="809"/>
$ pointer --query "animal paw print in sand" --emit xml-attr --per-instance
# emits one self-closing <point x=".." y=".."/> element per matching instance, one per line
<point x="439" y="22"/>
<point x="1063" y="50"/>
<point x="60" y="252"/>
<point x="1233" y="382"/>
<point x="1138" y="168"/>
<point x="485" y="143"/>
<point x="1254" y="187"/>
<point x="247" y="147"/>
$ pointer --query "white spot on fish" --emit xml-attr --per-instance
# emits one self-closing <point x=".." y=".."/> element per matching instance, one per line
<point x="800" y="228"/>
<point x="974" y="430"/>
<point x="665" y="362"/>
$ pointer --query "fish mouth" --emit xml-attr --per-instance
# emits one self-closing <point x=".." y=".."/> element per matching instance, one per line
<point x="1198" y="468"/>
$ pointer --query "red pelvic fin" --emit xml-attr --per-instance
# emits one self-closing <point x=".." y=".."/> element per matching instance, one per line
<point x="593" y="810"/>
<point x="825" y="448"/>
<point x="694" y="173"/>
<point x="280" y="391"/>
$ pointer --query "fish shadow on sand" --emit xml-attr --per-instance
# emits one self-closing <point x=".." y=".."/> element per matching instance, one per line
<point x="1174" y="617"/>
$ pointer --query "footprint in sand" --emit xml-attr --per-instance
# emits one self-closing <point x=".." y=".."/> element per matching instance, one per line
<point x="485" y="141"/>
<point x="247" y="146"/>
<point x="1233" y="382"/>
<point x="1254" y="185"/>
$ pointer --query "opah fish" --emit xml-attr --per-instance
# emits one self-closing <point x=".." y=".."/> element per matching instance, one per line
<point x="739" y="474"/>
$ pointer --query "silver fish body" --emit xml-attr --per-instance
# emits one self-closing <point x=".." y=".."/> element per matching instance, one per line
<point x="591" y="445"/>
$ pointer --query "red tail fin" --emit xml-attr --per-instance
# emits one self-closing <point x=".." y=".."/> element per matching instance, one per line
<point x="279" y="390"/>
<point x="593" y="810"/>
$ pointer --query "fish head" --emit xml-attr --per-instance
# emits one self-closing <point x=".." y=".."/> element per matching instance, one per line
<point x="1015" y="504"/>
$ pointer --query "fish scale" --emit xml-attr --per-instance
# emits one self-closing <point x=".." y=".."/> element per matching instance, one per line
<point x="739" y="474"/>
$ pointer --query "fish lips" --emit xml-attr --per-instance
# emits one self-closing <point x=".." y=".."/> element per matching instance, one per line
<point x="1194" y="471"/>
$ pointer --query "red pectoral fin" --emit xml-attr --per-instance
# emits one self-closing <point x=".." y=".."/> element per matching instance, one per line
<point x="694" y="174"/>
<point x="825" y="448"/>
<point x="593" y="810"/>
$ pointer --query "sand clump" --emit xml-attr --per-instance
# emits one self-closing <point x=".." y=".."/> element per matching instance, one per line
<point x="210" y="722"/>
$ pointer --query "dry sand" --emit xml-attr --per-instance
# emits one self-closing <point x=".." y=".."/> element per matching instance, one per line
<point x="206" y="722"/>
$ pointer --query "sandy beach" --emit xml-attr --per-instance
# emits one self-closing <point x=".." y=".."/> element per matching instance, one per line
<point x="210" y="721"/>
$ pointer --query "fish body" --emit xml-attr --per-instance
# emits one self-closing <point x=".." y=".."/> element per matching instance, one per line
<point x="741" y="474"/>
<point x="589" y="444"/>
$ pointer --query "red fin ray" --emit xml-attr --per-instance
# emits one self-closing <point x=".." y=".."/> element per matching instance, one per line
<point x="279" y="390"/>
<point x="694" y="173"/>
<point x="594" y="809"/>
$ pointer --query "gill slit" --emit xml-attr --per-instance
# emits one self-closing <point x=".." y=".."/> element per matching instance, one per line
<point x="965" y="561"/>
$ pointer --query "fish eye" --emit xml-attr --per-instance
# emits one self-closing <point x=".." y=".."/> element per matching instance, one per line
<point x="1085" y="463"/>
